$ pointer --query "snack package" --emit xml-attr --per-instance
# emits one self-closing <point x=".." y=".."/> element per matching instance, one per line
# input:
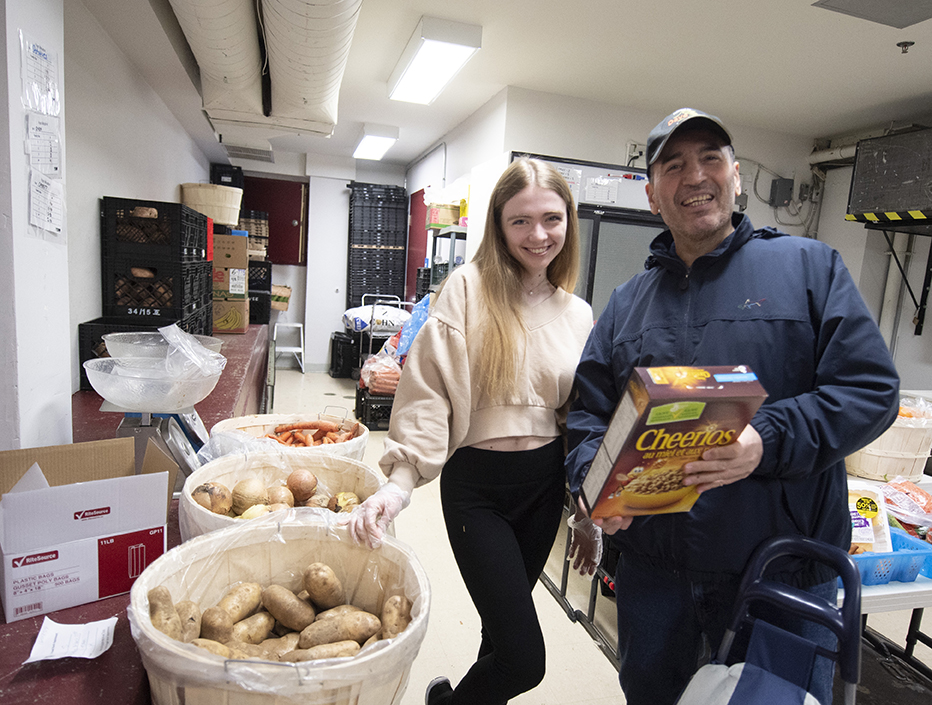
<point x="870" y="531"/>
<point x="908" y="502"/>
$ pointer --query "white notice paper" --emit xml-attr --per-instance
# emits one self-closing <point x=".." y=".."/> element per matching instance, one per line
<point x="47" y="202"/>
<point x="72" y="640"/>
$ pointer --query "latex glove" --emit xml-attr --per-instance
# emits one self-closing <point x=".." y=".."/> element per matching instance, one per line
<point x="586" y="544"/>
<point x="369" y="521"/>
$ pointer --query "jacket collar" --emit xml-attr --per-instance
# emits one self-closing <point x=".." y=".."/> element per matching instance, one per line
<point x="663" y="249"/>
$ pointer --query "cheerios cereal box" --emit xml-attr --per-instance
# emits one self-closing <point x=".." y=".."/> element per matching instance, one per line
<point x="667" y="417"/>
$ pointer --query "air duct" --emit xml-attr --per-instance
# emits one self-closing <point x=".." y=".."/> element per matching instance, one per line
<point x="307" y="45"/>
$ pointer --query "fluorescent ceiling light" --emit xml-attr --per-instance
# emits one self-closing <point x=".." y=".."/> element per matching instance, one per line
<point x="376" y="141"/>
<point x="436" y="52"/>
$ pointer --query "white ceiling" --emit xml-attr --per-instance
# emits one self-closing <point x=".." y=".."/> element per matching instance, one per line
<point x="782" y="66"/>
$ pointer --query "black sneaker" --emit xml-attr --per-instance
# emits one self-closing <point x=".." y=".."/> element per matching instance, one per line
<point x="438" y="687"/>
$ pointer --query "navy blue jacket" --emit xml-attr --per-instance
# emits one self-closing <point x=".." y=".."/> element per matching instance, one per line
<point x="787" y="307"/>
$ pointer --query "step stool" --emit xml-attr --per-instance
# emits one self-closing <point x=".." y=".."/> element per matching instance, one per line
<point x="296" y="350"/>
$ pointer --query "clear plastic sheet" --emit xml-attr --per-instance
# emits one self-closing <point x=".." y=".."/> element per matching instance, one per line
<point x="276" y="549"/>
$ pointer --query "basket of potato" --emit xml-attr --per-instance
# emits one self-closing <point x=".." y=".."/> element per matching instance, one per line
<point x="244" y="486"/>
<point x="337" y="435"/>
<point x="280" y="611"/>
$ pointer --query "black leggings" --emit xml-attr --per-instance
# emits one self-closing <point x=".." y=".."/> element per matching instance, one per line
<point x="502" y="512"/>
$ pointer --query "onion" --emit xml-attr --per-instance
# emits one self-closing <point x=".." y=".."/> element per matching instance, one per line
<point x="248" y="492"/>
<point x="214" y="497"/>
<point x="302" y="484"/>
<point x="279" y="494"/>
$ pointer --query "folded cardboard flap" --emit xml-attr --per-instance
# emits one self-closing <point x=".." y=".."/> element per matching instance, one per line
<point x="85" y="462"/>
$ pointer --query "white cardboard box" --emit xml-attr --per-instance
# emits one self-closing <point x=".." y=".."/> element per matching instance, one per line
<point x="89" y="533"/>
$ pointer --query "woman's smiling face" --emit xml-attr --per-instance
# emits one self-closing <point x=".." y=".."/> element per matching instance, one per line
<point x="534" y="223"/>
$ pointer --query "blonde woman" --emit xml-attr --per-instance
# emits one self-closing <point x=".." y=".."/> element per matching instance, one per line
<point x="483" y="397"/>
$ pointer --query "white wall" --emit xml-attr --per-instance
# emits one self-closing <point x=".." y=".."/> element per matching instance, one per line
<point x="35" y="381"/>
<point x="122" y="142"/>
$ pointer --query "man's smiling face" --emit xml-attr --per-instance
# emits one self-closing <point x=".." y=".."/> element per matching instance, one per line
<point x="693" y="185"/>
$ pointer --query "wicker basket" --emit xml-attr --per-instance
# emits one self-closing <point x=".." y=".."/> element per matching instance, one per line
<point x="218" y="202"/>
<point x="334" y="474"/>
<point x="901" y="450"/>
<point x="276" y="550"/>
<point x="257" y="425"/>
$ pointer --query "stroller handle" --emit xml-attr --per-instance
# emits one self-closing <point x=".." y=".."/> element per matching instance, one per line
<point x="844" y="621"/>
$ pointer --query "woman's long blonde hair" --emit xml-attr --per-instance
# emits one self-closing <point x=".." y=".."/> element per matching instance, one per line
<point x="504" y="333"/>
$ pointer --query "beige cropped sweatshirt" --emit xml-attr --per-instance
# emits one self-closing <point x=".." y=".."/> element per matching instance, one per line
<point x="438" y="407"/>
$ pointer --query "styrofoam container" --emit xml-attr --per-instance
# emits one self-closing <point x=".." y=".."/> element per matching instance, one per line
<point x="334" y="473"/>
<point x="276" y="549"/>
<point x="239" y="431"/>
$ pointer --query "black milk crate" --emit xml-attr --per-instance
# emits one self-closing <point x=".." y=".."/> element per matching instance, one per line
<point x="260" y="276"/>
<point x="226" y="175"/>
<point x="135" y="228"/>
<point x="344" y="354"/>
<point x="384" y="287"/>
<point x="373" y="410"/>
<point x="377" y="193"/>
<point x="260" y="306"/>
<point x="378" y="237"/>
<point x="376" y="260"/>
<point x="91" y="334"/>
<point x="144" y="289"/>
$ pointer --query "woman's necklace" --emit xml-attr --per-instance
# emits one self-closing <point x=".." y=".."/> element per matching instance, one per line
<point x="539" y="287"/>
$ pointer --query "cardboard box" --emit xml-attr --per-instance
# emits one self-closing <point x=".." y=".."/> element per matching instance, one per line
<point x="231" y="251"/>
<point x="442" y="215"/>
<point x="280" y="297"/>
<point x="231" y="316"/>
<point x="230" y="283"/>
<point x="84" y="528"/>
<point x="667" y="417"/>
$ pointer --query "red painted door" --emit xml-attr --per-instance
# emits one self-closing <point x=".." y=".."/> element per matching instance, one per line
<point x="286" y="203"/>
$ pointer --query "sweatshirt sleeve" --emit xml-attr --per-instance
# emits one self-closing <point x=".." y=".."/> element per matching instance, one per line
<point x="431" y="410"/>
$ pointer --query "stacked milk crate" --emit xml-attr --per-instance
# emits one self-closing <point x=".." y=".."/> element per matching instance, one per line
<point x="378" y="238"/>
<point x="155" y="271"/>
<point x="256" y="226"/>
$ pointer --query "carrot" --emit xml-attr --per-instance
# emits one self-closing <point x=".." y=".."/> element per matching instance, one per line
<point x="304" y="425"/>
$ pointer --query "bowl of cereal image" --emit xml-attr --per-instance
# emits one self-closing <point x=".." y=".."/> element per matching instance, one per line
<point x="655" y="487"/>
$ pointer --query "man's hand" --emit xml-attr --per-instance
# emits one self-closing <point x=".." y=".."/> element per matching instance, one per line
<point x="726" y="464"/>
<point x="611" y="525"/>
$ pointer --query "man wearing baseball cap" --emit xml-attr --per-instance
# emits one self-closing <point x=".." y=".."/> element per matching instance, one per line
<point x="717" y="291"/>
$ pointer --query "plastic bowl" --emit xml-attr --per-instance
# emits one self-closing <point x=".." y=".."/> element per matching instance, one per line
<point x="149" y="344"/>
<point x="138" y="384"/>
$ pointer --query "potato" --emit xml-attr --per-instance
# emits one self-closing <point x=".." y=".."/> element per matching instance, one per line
<point x="285" y="606"/>
<point x="248" y="492"/>
<point x="323" y="586"/>
<point x="241" y="600"/>
<point x="396" y="616"/>
<point x="254" y="629"/>
<point x="253" y="651"/>
<point x="162" y="612"/>
<point x="281" y="646"/>
<point x="216" y="625"/>
<point x="337" y="611"/>
<point x="190" y="615"/>
<point x="335" y="650"/>
<point x="357" y="626"/>
<point x="279" y="494"/>
<point x="214" y="647"/>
